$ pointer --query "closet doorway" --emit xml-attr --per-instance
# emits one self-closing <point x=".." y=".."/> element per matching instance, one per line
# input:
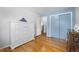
<point x="60" y="24"/>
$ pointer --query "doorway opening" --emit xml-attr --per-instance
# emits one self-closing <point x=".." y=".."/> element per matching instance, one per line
<point x="44" y="25"/>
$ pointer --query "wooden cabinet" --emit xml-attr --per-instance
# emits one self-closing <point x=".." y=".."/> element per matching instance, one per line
<point x="73" y="42"/>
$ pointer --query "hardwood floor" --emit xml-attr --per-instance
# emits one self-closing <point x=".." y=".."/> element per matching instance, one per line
<point x="40" y="44"/>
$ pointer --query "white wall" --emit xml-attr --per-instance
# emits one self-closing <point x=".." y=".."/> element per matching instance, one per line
<point x="38" y="26"/>
<point x="9" y="14"/>
<point x="77" y="15"/>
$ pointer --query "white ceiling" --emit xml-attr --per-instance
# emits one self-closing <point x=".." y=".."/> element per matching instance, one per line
<point x="45" y="10"/>
<point x="42" y="11"/>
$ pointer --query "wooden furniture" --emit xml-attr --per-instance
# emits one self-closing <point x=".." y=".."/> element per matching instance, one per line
<point x="73" y="42"/>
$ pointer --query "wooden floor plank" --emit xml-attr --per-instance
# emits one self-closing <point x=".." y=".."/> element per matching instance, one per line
<point x="40" y="44"/>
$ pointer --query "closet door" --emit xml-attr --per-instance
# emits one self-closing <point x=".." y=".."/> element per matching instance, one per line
<point x="65" y="24"/>
<point x="55" y="26"/>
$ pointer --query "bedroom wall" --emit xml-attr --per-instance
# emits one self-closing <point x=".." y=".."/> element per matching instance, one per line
<point x="9" y="14"/>
<point x="77" y="15"/>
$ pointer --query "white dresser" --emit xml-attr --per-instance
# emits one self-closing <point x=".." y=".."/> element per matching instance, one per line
<point x="21" y="32"/>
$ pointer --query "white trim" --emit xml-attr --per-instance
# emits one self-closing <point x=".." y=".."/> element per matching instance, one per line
<point x="51" y="25"/>
<point x="61" y="13"/>
<point x="71" y="21"/>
